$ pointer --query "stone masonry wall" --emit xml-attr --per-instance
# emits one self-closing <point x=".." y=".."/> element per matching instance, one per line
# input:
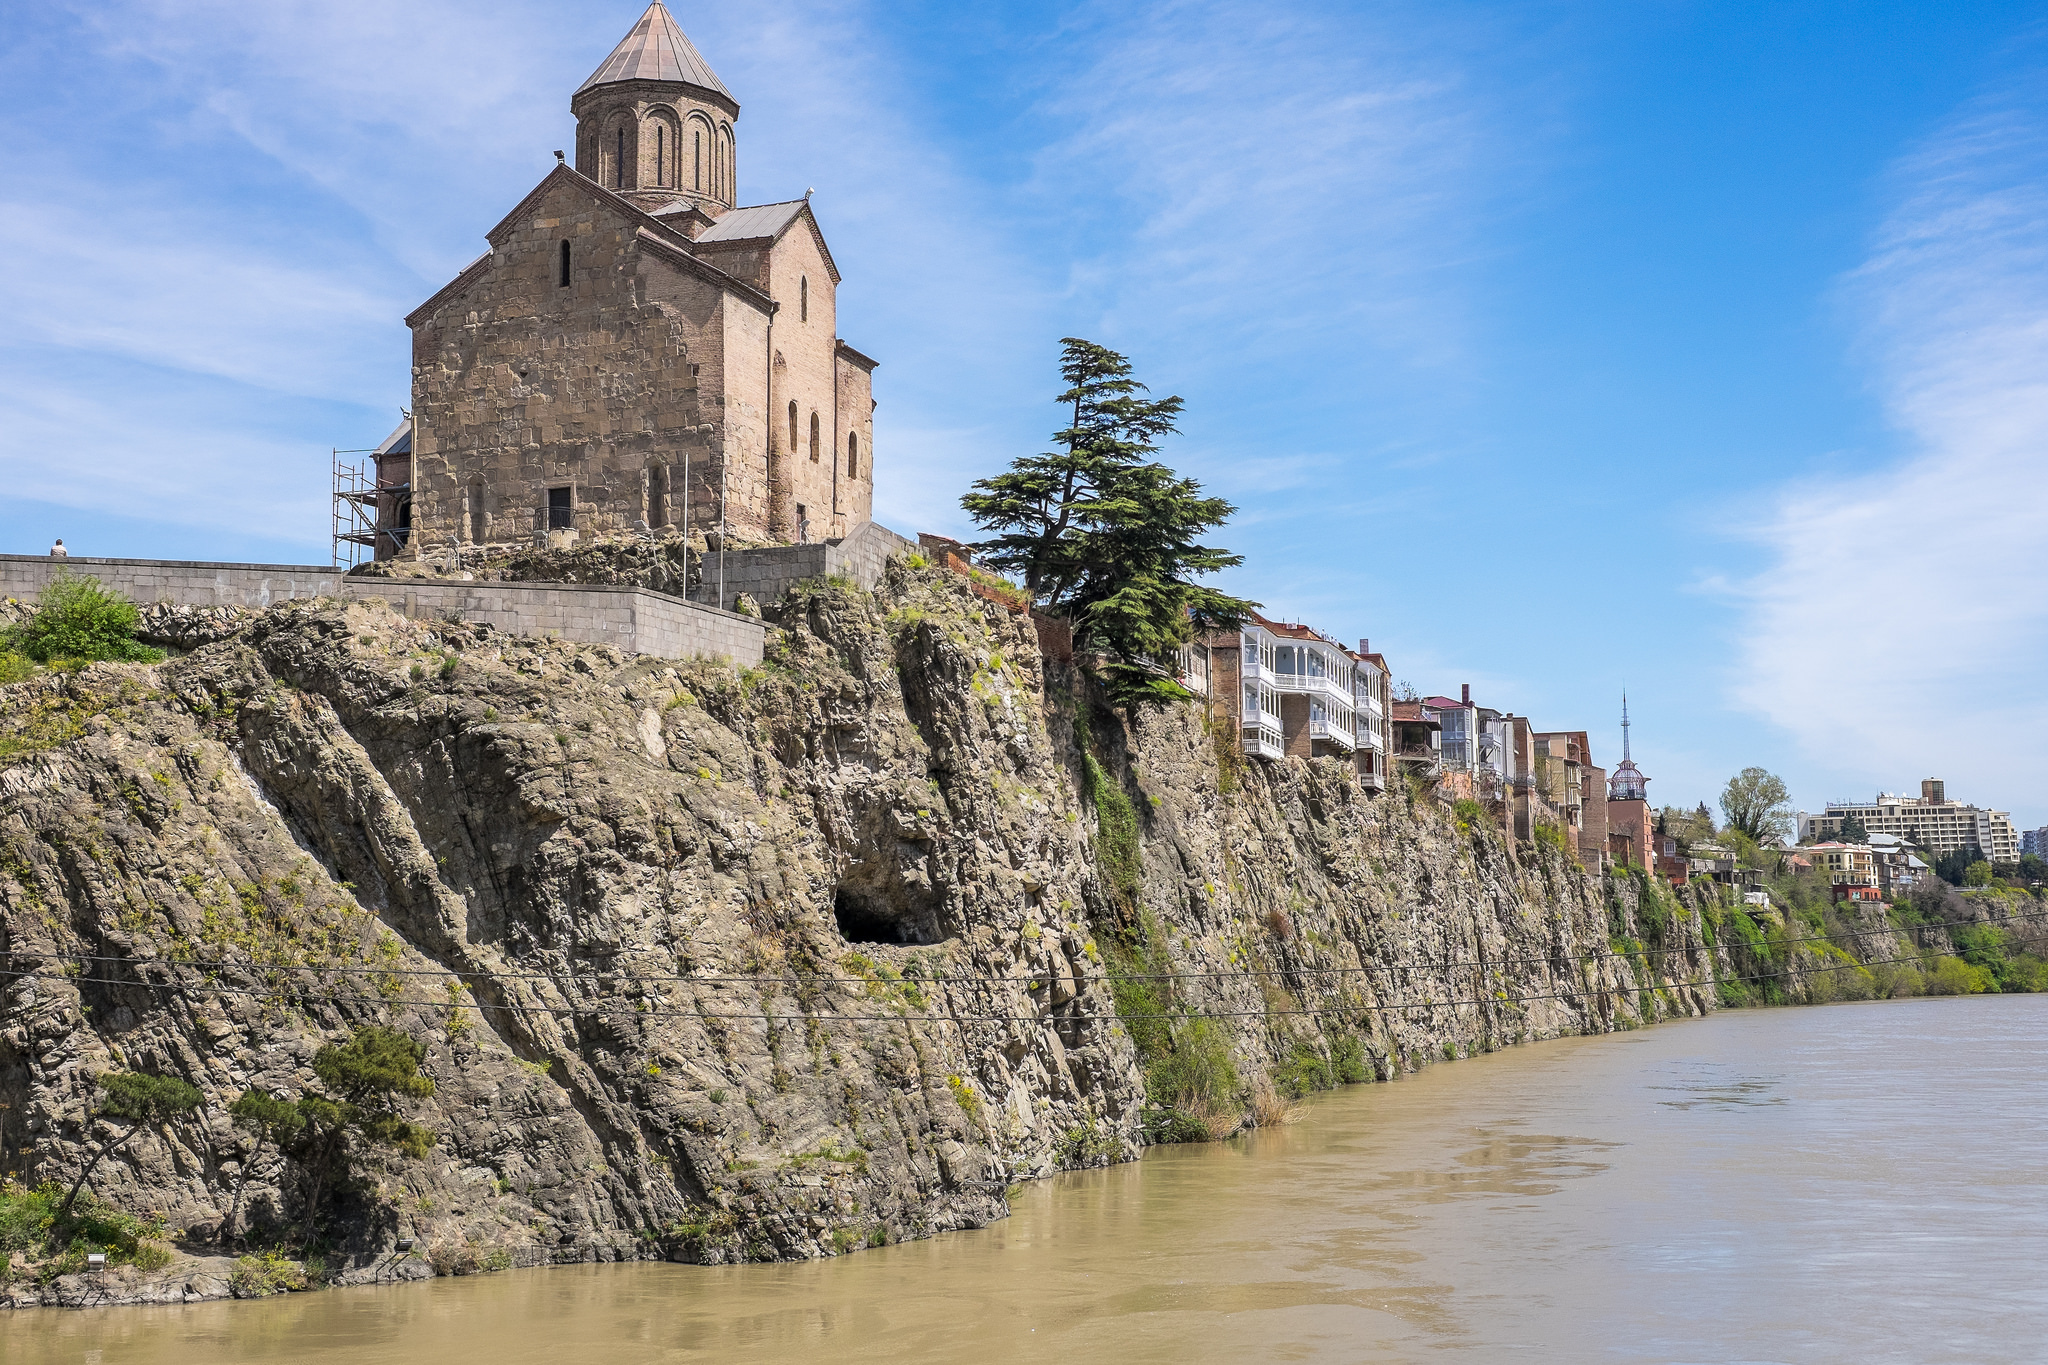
<point x="185" y="583"/>
<point x="628" y="618"/>
<point x="766" y="574"/>
<point x="634" y="620"/>
<point x="520" y="385"/>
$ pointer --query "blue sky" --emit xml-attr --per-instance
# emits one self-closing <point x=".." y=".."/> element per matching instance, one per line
<point x="1697" y="349"/>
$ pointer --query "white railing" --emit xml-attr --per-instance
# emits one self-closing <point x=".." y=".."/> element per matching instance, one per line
<point x="1308" y="684"/>
<point x="1333" y="732"/>
<point x="1369" y="736"/>
<point x="1262" y="741"/>
<point x="1368" y="704"/>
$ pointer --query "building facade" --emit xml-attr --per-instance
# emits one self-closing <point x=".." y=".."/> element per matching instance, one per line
<point x="1293" y="692"/>
<point x="1930" y="822"/>
<point x="637" y="350"/>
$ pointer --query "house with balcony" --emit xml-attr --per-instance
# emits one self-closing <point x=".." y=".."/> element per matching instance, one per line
<point x="1291" y="690"/>
<point x="1576" y="788"/>
<point x="1371" y="696"/>
<point x="1418" y="740"/>
<point x="1850" y="869"/>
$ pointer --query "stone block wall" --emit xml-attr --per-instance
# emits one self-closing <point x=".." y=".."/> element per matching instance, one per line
<point x="184" y="583"/>
<point x="636" y="620"/>
<point x="766" y="574"/>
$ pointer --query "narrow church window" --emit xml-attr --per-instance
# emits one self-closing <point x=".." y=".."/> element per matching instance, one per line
<point x="814" y="438"/>
<point x="696" y="159"/>
<point x="792" y="429"/>
<point x="852" y="455"/>
<point x="619" y="163"/>
<point x="561" y="514"/>
<point x="562" y="276"/>
<point x="660" y="155"/>
<point x="803" y="298"/>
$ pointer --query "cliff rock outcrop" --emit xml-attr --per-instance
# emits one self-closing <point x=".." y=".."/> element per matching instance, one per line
<point x="716" y="965"/>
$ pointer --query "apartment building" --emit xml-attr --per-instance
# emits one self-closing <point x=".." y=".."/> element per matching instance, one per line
<point x="1295" y="692"/>
<point x="1851" y="870"/>
<point x="1418" y="740"/>
<point x="1576" y="788"/>
<point x="2035" y="841"/>
<point x="1930" y="822"/>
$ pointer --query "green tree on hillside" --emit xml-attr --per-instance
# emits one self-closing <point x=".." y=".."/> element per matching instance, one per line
<point x="1104" y="535"/>
<point x="367" y="1079"/>
<point x="140" y="1102"/>
<point x="1757" y="803"/>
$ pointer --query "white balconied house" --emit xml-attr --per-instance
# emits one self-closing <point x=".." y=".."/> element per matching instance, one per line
<point x="1296" y="693"/>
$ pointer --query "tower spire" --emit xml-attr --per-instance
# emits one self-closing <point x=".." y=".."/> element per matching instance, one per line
<point x="1624" y="725"/>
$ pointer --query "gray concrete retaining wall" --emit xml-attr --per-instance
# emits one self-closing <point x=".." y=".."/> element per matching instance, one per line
<point x="186" y="583"/>
<point x="637" y="620"/>
<point x="766" y="574"/>
<point x="633" y="619"/>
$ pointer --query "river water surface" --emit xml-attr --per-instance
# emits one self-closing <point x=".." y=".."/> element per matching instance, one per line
<point x="1847" y="1183"/>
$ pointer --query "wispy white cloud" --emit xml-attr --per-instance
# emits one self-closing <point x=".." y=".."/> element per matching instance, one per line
<point x="1900" y="630"/>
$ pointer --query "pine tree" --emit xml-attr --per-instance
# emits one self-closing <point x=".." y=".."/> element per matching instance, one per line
<point x="1106" y="536"/>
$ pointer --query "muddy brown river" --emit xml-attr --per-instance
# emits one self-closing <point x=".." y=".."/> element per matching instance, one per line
<point x="1849" y="1183"/>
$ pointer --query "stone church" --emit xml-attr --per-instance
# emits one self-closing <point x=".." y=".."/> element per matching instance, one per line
<point x="636" y="349"/>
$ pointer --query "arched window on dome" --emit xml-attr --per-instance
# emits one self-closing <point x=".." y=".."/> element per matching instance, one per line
<point x="852" y="454"/>
<point x="696" y="158"/>
<point x="619" y="158"/>
<point x="792" y="426"/>
<point x="562" y="269"/>
<point x="660" y="154"/>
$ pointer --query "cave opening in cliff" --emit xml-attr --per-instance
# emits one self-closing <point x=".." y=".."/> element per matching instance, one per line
<point x="863" y="920"/>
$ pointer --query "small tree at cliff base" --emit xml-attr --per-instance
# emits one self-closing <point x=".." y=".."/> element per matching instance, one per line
<point x="140" y="1102"/>
<point x="1757" y="803"/>
<point x="367" y="1078"/>
<point x="1106" y="536"/>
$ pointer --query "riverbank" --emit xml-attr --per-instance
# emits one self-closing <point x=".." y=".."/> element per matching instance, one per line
<point x="721" y="966"/>
<point x="1752" y="1185"/>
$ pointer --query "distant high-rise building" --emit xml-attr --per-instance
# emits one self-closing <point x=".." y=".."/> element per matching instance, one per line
<point x="2035" y="841"/>
<point x="1930" y="821"/>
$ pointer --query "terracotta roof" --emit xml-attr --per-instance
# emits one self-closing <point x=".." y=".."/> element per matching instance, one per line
<point x="656" y="50"/>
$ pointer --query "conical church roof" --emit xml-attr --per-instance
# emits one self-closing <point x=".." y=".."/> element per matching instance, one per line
<point x="656" y="50"/>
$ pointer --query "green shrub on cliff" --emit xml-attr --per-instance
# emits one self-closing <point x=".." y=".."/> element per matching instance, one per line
<point x="80" y="619"/>
<point x="1191" y="1093"/>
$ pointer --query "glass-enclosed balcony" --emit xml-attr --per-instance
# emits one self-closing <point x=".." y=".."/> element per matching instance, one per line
<point x="1263" y="741"/>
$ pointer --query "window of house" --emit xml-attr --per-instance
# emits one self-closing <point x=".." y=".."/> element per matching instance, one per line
<point x="814" y="438"/>
<point x="852" y="455"/>
<point x="561" y="511"/>
<point x="562" y="273"/>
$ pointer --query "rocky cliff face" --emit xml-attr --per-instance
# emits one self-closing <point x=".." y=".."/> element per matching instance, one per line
<point x="719" y="966"/>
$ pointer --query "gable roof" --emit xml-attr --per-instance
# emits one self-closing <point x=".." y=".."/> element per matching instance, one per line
<point x="671" y="244"/>
<point x="767" y="223"/>
<point x="657" y="50"/>
<point x="761" y="220"/>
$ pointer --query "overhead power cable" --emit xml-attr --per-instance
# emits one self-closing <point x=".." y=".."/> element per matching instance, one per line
<point x="1052" y="1016"/>
<point x="821" y="979"/>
